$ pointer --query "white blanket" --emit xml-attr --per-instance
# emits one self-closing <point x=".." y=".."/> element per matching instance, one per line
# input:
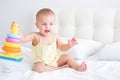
<point x="97" y="70"/>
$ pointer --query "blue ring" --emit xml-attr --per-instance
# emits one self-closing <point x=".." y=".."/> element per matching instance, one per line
<point x="13" y="36"/>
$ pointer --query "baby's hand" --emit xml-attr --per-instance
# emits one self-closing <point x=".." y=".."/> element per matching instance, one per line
<point x="72" y="42"/>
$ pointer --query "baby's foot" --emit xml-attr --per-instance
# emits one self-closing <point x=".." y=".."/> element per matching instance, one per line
<point x="65" y="66"/>
<point x="82" y="67"/>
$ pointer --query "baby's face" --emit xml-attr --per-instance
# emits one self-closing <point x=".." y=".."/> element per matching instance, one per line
<point x="46" y="24"/>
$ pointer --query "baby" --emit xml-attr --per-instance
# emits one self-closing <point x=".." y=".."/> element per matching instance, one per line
<point x="47" y="45"/>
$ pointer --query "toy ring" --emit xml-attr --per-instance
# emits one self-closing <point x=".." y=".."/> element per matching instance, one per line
<point x="13" y="40"/>
<point x="10" y="55"/>
<point x="13" y="36"/>
<point x="13" y="45"/>
<point x="9" y="49"/>
<point x="14" y="32"/>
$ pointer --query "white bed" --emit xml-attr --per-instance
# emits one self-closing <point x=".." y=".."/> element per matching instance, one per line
<point x="98" y="34"/>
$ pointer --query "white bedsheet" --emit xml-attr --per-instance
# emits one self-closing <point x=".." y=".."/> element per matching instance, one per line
<point x="97" y="70"/>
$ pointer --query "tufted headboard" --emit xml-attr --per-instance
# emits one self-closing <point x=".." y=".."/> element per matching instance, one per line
<point x="100" y="24"/>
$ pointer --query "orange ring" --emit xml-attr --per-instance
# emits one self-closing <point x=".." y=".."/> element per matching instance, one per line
<point x="10" y="49"/>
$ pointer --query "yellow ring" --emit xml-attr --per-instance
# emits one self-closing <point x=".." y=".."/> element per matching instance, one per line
<point x="14" y="31"/>
<point x="13" y="45"/>
<point x="11" y="55"/>
<point x="10" y="49"/>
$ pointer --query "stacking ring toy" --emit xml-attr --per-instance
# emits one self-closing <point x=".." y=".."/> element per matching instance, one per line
<point x="13" y="40"/>
<point x="13" y="45"/>
<point x="9" y="49"/>
<point x="11" y="56"/>
<point x="13" y="36"/>
<point x="14" y="31"/>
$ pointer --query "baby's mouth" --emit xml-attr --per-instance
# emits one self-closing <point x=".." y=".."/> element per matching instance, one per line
<point x="47" y="31"/>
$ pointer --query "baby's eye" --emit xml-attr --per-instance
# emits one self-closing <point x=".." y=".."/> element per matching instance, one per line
<point x="44" y="24"/>
<point x="51" y="23"/>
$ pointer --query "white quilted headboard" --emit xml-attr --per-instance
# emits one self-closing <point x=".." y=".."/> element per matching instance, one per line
<point x="101" y="24"/>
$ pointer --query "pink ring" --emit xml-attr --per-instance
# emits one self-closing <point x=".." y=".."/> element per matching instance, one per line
<point x="13" y="40"/>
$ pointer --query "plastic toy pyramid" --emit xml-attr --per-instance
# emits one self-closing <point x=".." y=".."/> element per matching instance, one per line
<point x="12" y="46"/>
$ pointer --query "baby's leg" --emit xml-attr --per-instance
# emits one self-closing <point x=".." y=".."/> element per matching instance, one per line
<point x="41" y="67"/>
<point x="66" y="59"/>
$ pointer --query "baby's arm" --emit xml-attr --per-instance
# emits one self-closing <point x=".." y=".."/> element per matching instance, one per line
<point x="62" y="46"/>
<point x="28" y="37"/>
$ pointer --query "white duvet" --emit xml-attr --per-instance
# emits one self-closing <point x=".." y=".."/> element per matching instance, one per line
<point x="97" y="70"/>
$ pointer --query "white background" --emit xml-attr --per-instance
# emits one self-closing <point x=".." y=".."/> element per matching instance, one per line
<point x="23" y="11"/>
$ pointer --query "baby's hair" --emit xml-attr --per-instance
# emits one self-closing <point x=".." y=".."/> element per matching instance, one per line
<point x="45" y="11"/>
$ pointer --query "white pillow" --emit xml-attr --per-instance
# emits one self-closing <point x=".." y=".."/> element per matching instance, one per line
<point x="27" y="44"/>
<point x="109" y="52"/>
<point x="27" y="55"/>
<point x="83" y="49"/>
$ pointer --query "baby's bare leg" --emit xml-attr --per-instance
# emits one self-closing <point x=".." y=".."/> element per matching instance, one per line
<point x="66" y="59"/>
<point x="41" y="67"/>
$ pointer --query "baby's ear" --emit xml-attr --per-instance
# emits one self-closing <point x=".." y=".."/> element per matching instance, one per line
<point x="36" y="24"/>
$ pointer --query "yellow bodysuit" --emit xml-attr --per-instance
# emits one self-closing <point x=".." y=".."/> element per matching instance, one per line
<point x="47" y="54"/>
